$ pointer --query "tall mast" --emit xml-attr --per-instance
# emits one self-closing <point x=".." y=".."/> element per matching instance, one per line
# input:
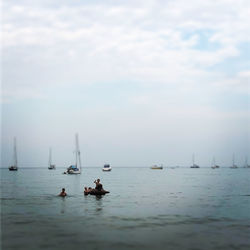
<point x="76" y="138"/>
<point x="233" y="160"/>
<point x="78" y="158"/>
<point x="15" y="153"/>
<point x="213" y="163"/>
<point x="50" y="156"/>
<point x="193" y="159"/>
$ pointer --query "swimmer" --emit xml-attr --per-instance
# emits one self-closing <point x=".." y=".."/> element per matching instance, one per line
<point x="63" y="193"/>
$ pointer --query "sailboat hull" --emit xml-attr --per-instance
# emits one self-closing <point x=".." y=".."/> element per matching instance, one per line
<point x="13" y="168"/>
<point x="52" y="167"/>
<point x="74" y="172"/>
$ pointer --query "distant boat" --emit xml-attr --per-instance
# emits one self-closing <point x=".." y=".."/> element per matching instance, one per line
<point x="194" y="165"/>
<point x="14" y="166"/>
<point x="106" y="167"/>
<point x="246" y="165"/>
<point x="76" y="169"/>
<point x="51" y="166"/>
<point x="214" y="164"/>
<point x="234" y="165"/>
<point x="157" y="167"/>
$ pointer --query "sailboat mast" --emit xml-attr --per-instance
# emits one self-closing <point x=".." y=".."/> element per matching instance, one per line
<point x="78" y="158"/>
<point x="15" y="153"/>
<point x="193" y="159"/>
<point x="76" y="139"/>
<point x="50" y="157"/>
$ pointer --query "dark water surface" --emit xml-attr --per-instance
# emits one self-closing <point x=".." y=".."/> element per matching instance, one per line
<point x="178" y="208"/>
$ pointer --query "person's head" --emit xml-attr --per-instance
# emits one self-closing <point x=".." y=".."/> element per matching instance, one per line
<point x="63" y="189"/>
<point x="98" y="180"/>
<point x="85" y="188"/>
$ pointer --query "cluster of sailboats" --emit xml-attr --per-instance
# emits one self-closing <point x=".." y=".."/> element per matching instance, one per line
<point x="72" y="169"/>
<point x="76" y="168"/>
<point x="213" y="165"/>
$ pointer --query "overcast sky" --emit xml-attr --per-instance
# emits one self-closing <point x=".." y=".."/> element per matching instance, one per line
<point x="142" y="82"/>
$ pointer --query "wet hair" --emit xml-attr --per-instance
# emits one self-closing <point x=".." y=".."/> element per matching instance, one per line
<point x="63" y="189"/>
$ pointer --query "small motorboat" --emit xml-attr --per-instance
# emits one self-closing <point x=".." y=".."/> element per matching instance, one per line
<point x="157" y="167"/>
<point x="106" y="167"/>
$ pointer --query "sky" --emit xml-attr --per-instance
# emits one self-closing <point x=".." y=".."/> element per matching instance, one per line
<point x="141" y="82"/>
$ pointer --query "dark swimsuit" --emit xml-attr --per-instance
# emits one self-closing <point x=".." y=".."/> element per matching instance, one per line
<point x="99" y="187"/>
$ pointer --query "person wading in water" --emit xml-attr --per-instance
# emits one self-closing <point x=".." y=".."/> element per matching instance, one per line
<point x="98" y="185"/>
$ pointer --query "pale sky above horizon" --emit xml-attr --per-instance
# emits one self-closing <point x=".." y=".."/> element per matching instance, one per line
<point x="142" y="82"/>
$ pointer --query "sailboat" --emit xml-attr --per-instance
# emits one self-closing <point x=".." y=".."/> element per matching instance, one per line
<point x="214" y="164"/>
<point x="246" y="165"/>
<point x="234" y="165"/>
<point x="76" y="169"/>
<point x="51" y="166"/>
<point x="14" y="166"/>
<point x="194" y="165"/>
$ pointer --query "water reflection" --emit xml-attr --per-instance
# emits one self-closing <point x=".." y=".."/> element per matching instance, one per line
<point x="63" y="205"/>
<point x="99" y="204"/>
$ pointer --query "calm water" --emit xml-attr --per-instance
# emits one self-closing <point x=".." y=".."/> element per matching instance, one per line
<point x="178" y="208"/>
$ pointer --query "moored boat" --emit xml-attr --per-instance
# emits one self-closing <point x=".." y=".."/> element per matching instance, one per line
<point x="194" y="165"/>
<point x="14" y="167"/>
<point x="75" y="169"/>
<point x="106" y="167"/>
<point x="214" y="166"/>
<point x="51" y="166"/>
<point x="246" y="165"/>
<point x="234" y="165"/>
<point x="156" y="167"/>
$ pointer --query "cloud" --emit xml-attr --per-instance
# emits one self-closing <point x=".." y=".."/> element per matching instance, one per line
<point x="157" y="42"/>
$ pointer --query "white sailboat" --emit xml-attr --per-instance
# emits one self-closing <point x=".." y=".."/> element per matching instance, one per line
<point x="51" y="166"/>
<point x="76" y="169"/>
<point x="194" y="165"/>
<point x="14" y="166"/>
<point x="214" y="164"/>
<point x="246" y="165"/>
<point x="234" y="165"/>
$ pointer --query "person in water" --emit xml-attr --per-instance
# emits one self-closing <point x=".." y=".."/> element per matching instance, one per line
<point x="98" y="185"/>
<point x="87" y="190"/>
<point x="63" y="193"/>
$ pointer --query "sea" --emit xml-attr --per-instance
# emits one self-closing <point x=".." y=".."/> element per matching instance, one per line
<point x="172" y="208"/>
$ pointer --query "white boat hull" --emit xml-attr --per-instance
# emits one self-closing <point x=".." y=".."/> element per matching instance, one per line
<point x="106" y="169"/>
<point x="74" y="172"/>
